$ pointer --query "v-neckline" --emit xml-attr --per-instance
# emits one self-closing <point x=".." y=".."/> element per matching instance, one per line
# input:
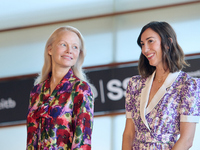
<point x="144" y="109"/>
<point x="158" y="95"/>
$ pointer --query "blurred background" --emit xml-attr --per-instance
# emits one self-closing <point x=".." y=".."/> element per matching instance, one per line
<point x="110" y="29"/>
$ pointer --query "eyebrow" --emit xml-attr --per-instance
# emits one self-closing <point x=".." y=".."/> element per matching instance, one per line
<point x="67" y="42"/>
<point x="148" y="38"/>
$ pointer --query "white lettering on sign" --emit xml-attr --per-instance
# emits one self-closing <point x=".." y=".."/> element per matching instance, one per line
<point x="7" y="104"/>
<point x="101" y="91"/>
<point x="115" y="87"/>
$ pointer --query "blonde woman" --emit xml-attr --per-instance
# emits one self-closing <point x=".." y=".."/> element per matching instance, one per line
<point x="60" y="114"/>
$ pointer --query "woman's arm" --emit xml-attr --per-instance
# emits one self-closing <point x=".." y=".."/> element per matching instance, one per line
<point x="83" y="118"/>
<point x="128" y="135"/>
<point x="187" y="132"/>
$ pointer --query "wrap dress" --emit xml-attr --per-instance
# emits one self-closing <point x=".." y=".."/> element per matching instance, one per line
<point x="62" y="120"/>
<point x="157" y="126"/>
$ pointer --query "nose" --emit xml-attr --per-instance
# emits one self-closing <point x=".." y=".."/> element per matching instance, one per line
<point x="68" y="49"/>
<point x="145" y="48"/>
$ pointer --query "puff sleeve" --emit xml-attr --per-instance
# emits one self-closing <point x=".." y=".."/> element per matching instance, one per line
<point x="132" y="92"/>
<point x="190" y="101"/>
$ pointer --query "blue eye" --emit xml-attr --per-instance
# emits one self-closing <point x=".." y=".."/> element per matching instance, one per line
<point x="75" y="47"/>
<point x="63" y="44"/>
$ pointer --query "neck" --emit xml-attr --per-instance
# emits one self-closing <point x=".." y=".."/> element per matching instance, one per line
<point x="161" y="75"/>
<point x="58" y="74"/>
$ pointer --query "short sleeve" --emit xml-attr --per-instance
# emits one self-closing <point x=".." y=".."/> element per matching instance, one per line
<point x="127" y="101"/>
<point x="130" y="96"/>
<point x="190" y="101"/>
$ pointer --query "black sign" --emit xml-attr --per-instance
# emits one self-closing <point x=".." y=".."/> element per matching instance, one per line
<point x="109" y="86"/>
<point x="14" y="99"/>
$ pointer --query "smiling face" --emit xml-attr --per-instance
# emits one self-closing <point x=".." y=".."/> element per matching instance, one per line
<point x="151" y="47"/>
<point x="64" y="51"/>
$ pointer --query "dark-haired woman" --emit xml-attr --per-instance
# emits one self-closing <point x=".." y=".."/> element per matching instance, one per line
<point x="163" y="102"/>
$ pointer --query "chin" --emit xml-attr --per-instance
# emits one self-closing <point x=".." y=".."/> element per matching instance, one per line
<point x="151" y="63"/>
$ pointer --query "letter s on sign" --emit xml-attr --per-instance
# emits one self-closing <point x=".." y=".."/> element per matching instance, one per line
<point x="114" y="86"/>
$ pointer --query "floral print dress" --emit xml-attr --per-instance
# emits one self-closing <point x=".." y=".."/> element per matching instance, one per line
<point x="157" y="125"/>
<point x="62" y="120"/>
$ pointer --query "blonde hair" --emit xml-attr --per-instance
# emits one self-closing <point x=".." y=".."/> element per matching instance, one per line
<point x="47" y="66"/>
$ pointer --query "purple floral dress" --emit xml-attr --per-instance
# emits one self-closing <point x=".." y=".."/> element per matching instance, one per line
<point x="62" y="120"/>
<point x="157" y="125"/>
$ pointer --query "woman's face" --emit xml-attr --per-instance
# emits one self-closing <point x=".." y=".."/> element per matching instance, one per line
<point x="151" y="47"/>
<point x="65" y="50"/>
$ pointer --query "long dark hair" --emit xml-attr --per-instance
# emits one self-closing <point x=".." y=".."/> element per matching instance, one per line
<point x="172" y="53"/>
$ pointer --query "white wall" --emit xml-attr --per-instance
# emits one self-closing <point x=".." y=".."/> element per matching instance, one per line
<point x="113" y="39"/>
